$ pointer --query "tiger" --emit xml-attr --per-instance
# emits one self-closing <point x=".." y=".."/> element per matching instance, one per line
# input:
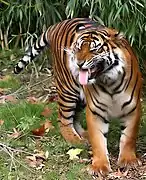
<point x="95" y="68"/>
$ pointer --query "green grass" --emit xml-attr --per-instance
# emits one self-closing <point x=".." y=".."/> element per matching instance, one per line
<point x="25" y="117"/>
<point x="10" y="83"/>
<point x="58" y="166"/>
<point x="22" y="115"/>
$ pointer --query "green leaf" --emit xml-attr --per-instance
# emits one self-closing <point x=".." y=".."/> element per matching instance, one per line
<point x="73" y="153"/>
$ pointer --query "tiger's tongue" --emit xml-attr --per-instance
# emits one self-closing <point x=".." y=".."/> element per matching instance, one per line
<point x="83" y="77"/>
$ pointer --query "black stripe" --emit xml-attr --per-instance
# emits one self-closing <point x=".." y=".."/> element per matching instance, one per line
<point x="67" y="100"/>
<point x="66" y="117"/>
<point x="24" y="62"/>
<point x="68" y="110"/>
<point x="105" y="135"/>
<point x="66" y="73"/>
<point x="37" y="44"/>
<point x="133" y="109"/>
<point x="104" y="90"/>
<point x="128" y="112"/>
<point x="69" y="97"/>
<point x="94" y="98"/>
<point x="17" y="69"/>
<point x="29" y="54"/>
<point x="128" y="102"/>
<point x="66" y="106"/>
<point x="124" y="73"/>
<point x="69" y="91"/>
<point x="70" y="87"/>
<point x="44" y="38"/>
<point x="123" y="127"/>
<point x="71" y="39"/>
<point x="95" y="113"/>
<point x="121" y="89"/>
<point x="105" y="33"/>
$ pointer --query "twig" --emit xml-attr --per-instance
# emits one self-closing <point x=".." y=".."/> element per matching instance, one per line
<point x="36" y="71"/>
<point x="20" y="90"/>
<point x="13" y="149"/>
<point x="2" y="39"/>
<point x="11" y="113"/>
<point x="10" y="151"/>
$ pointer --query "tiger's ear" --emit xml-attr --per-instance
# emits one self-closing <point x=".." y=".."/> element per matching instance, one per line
<point x="80" y="27"/>
<point x="121" y="35"/>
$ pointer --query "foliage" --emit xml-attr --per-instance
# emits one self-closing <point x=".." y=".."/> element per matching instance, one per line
<point x="22" y="21"/>
<point x="22" y="115"/>
<point x="10" y="83"/>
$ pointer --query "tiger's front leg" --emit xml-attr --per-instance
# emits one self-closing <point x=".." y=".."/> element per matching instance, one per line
<point x="68" y="131"/>
<point x="69" y="123"/>
<point x="130" y="126"/>
<point x="97" y="130"/>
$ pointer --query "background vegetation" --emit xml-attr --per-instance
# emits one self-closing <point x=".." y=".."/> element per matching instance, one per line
<point x="22" y="21"/>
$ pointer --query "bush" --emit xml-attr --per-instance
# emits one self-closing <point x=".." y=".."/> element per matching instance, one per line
<point x="22" y="21"/>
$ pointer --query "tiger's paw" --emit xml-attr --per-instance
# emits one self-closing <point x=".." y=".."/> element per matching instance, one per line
<point x="128" y="160"/>
<point x="70" y="135"/>
<point x="99" y="168"/>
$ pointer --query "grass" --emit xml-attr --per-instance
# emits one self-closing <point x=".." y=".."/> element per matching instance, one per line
<point x="58" y="166"/>
<point x="22" y="115"/>
<point x="10" y="83"/>
<point x="25" y="117"/>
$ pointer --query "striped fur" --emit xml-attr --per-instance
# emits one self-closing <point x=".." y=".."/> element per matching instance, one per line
<point x="95" y="67"/>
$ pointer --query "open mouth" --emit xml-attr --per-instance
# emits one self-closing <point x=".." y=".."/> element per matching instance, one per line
<point x="85" y="75"/>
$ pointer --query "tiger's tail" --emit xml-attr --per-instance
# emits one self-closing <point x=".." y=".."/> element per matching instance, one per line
<point x="31" y="53"/>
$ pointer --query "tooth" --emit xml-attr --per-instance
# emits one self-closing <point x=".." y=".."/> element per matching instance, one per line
<point x="89" y="73"/>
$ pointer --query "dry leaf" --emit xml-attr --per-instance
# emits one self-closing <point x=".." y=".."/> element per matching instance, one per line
<point x="33" y="161"/>
<point x="11" y="98"/>
<point x="32" y="158"/>
<point x="7" y="98"/>
<point x="118" y="174"/>
<point x="53" y="99"/>
<point x="47" y="154"/>
<point x="5" y="78"/>
<point x="39" y="131"/>
<point x="1" y="122"/>
<point x="2" y="90"/>
<point x="15" y="134"/>
<point x="40" y="154"/>
<point x="45" y="127"/>
<point x="84" y="160"/>
<point x="73" y="153"/>
<point x="48" y="125"/>
<point x="36" y="160"/>
<point x="46" y="112"/>
<point x="32" y="100"/>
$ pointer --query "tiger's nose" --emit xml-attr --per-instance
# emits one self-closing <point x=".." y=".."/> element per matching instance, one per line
<point x="81" y="64"/>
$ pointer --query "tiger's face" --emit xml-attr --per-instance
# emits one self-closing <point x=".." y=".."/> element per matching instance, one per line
<point x="94" y="57"/>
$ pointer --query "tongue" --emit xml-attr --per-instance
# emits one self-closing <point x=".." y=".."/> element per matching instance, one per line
<point x="83" y="77"/>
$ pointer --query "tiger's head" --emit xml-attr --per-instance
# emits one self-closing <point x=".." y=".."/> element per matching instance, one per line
<point x="96" y="54"/>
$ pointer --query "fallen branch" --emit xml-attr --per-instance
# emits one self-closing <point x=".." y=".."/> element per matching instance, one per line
<point x="10" y="151"/>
